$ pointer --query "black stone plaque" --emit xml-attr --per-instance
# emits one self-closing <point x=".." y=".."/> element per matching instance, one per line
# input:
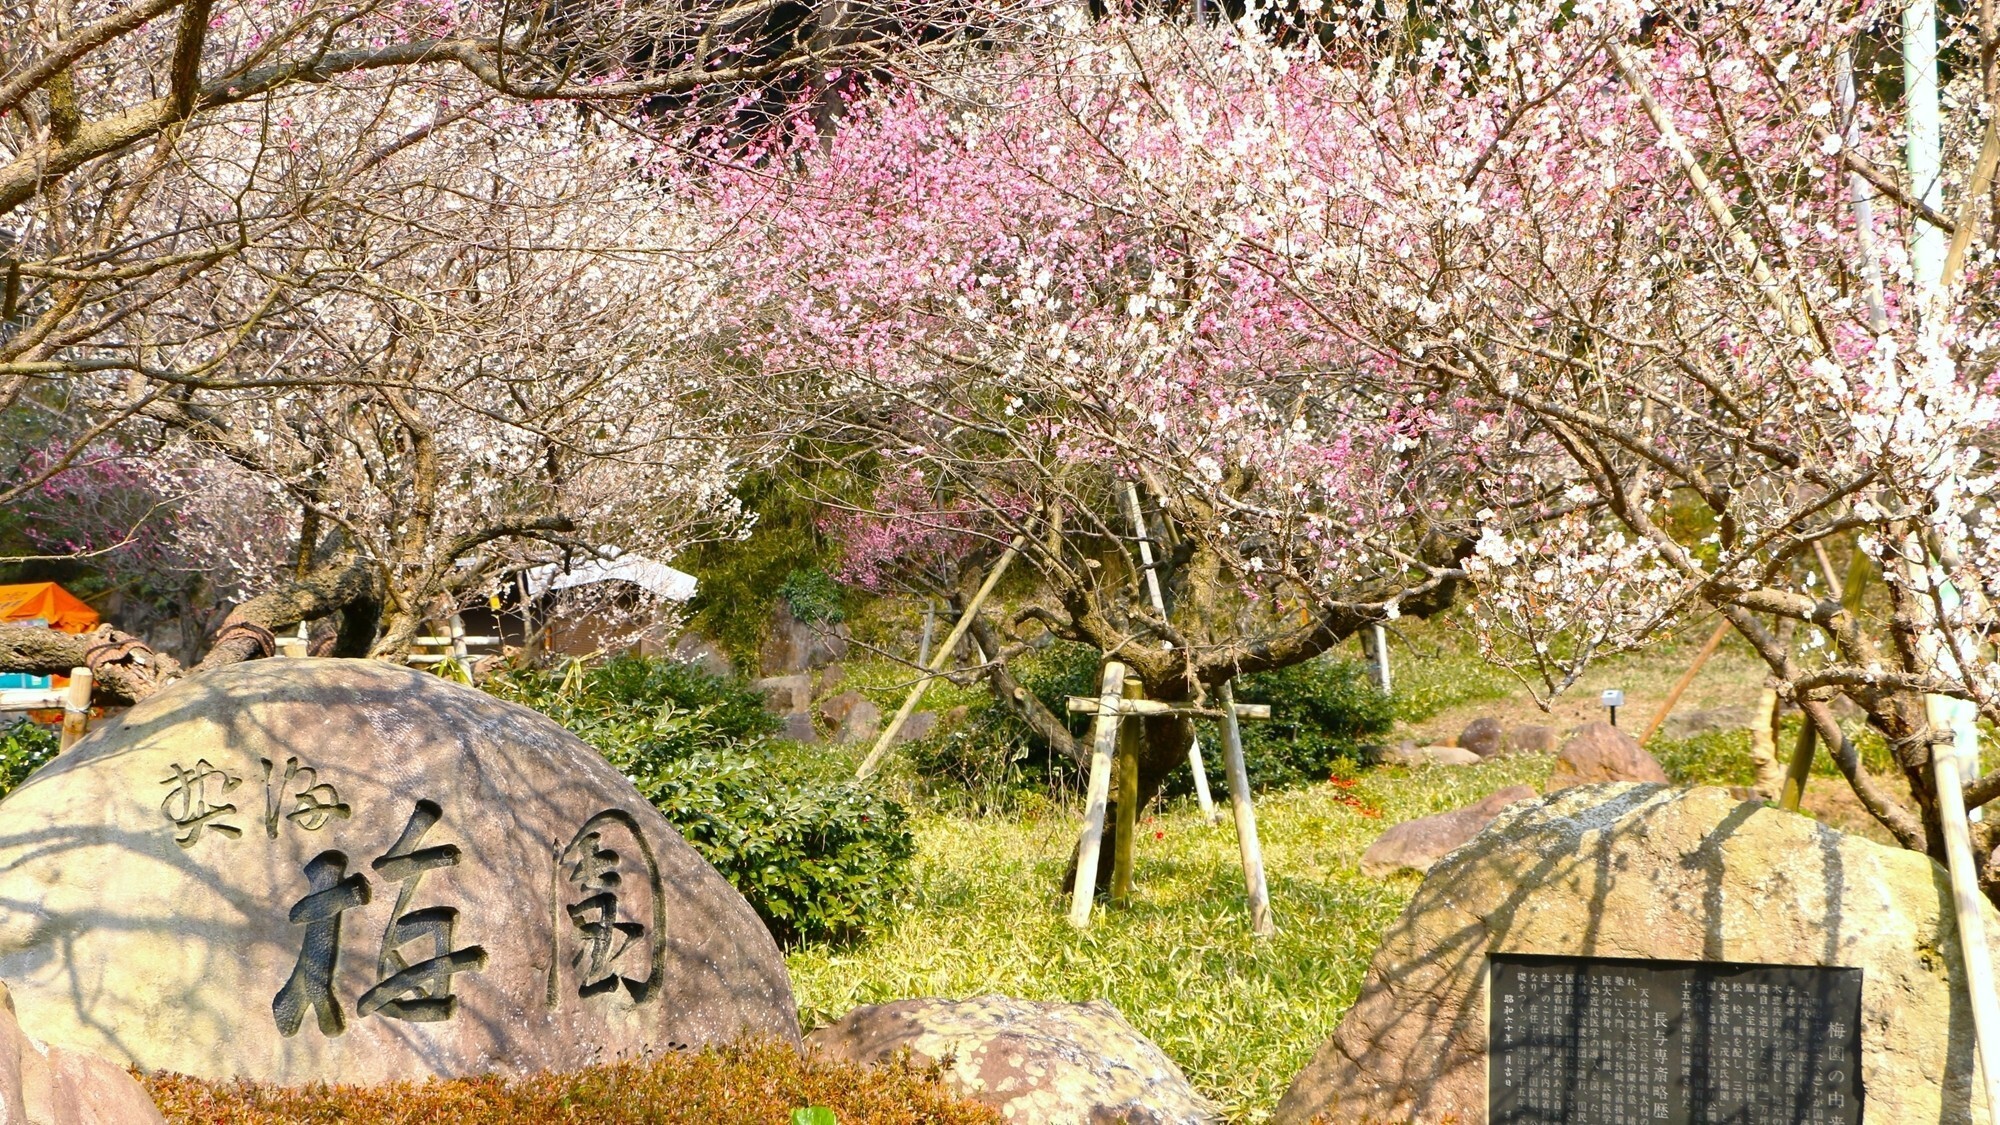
<point x="1604" y="1041"/>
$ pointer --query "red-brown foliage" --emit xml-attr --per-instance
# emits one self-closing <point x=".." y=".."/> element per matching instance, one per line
<point x="752" y="1084"/>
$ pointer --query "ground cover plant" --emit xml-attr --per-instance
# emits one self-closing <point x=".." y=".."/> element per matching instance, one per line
<point x="24" y="746"/>
<point x="756" y="1084"/>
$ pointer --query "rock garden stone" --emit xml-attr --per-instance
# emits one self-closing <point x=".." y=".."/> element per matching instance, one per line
<point x="862" y="724"/>
<point x="695" y="649"/>
<point x="1598" y="751"/>
<point x="1415" y="845"/>
<point x="301" y="869"/>
<point x="1036" y="1063"/>
<point x="1429" y="756"/>
<point x="43" y="1085"/>
<point x="1529" y="738"/>
<point x="786" y="695"/>
<point x="835" y="709"/>
<point x="919" y="725"/>
<point x="1687" y="724"/>
<point x="799" y="728"/>
<point x="792" y="645"/>
<point x="831" y="679"/>
<point x="1482" y="736"/>
<point x="1649" y="871"/>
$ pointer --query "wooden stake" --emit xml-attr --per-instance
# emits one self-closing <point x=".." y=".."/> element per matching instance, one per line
<point x="1969" y="904"/>
<point x="1111" y="689"/>
<point x="1687" y="678"/>
<point x="938" y="661"/>
<point x="1261" y="922"/>
<point x="1130" y="735"/>
<point x="76" y="708"/>
<point x="1800" y="768"/>
<point x="1201" y="794"/>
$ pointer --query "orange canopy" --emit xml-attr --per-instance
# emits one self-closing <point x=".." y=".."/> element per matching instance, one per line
<point x="48" y="602"/>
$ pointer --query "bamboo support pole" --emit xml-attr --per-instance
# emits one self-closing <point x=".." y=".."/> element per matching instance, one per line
<point x="1687" y="677"/>
<point x="1969" y="905"/>
<point x="1201" y="794"/>
<point x="1084" y="889"/>
<point x="76" y="708"/>
<point x="938" y="661"/>
<point x="1130" y="735"/>
<point x="1800" y="768"/>
<point x="1261" y="922"/>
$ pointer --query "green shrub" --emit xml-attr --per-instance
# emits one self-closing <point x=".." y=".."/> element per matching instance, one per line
<point x="991" y="761"/>
<point x="741" y="578"/>
<point x="752" y="1084"/>
<point x="813" y="597"/>
<point x="817" y="856"/>
<point x="818" y="860"/>
<point x="23" y="748"/>
<point x="630" y="702"/>
<point x="1322" y="713"/>
<point x="1722" y="757"/>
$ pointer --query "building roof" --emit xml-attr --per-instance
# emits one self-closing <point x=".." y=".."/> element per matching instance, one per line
<point x="656" y="578"/>
<point x="47" y="603"/>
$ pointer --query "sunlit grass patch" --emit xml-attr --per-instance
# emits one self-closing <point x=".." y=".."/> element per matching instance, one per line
<point x="1240" y="1015"/>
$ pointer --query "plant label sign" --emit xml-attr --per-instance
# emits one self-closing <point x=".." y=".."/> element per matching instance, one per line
<point x="1606" y="1041"/>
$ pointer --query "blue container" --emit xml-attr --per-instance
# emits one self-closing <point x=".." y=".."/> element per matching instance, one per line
<point x="23" y="680"/>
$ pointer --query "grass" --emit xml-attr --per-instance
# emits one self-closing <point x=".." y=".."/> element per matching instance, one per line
<point x="1239" y="1015"/>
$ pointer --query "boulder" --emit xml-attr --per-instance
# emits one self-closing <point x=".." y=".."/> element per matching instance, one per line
<point x="836" y="708"/>
<point x="786" y="695"/>
<point x="1528" y="738"/>
<point x="695" y="649"/>
<point x="1415" y="845"/>
<point x="919" y="725"/>
<point x="799" y="728"/>
<point x="1429" y="756"/>
<point x="341" y="870"/>
<point x="831" y="679"/>
<point x="1649" y="871"/>
<point x="854" y="717"/>
<point x="43" y="1085"/>
<point x="1482" y="736"/>
<point x="1687" y="724"/>
<point x="792" y="646"/>
<point x="862" y="724"/>
<point x="1036" y="1063"/>
<point x="1598" y="751"/>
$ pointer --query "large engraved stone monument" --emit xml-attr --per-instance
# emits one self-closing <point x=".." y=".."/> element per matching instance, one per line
<point x="1775" y="970"/>
<point x="340" y="870"/>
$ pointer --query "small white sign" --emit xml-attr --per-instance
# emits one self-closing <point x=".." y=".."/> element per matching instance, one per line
<point x="1613" y="697"/>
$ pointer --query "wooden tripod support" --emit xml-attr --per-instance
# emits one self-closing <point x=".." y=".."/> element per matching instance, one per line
<point x="1121" y="698"/>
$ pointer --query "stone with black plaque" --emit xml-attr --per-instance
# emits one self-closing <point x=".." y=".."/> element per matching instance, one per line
<point x="1607" y="1041"/>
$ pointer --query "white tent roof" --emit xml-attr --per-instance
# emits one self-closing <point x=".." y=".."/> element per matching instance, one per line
<point x="656" y="577"/>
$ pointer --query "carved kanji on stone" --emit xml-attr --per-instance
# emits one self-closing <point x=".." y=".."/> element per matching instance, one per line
<point x="615" y="910"/>
<point x="418" y="991"/>
<point x="314" y="803"/>
<point x="331" y="892"/>
<point x="195" y="801"/>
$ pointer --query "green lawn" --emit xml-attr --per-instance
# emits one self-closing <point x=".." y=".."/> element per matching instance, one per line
<point x="1241" y="1016"/>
